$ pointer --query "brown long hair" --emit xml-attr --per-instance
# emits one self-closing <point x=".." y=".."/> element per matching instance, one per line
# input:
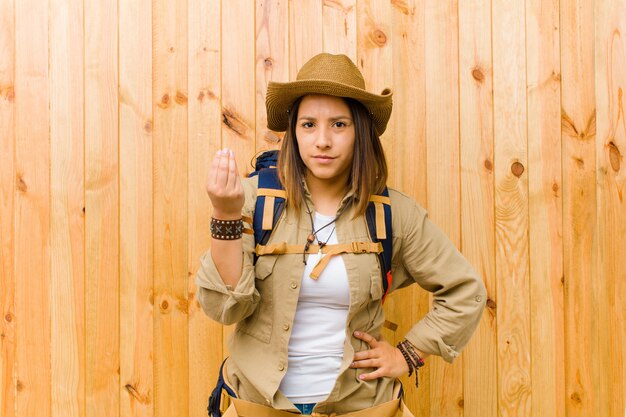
<point x="368" y="174"/>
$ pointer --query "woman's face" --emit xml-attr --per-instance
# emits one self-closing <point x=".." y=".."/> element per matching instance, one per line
<point x="325" y="136"/>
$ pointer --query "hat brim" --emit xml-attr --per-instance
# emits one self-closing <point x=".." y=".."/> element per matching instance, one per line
<point x="281" y="96"/>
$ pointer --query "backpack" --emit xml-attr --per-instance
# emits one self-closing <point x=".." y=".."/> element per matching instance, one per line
<point x="270" y="204"/>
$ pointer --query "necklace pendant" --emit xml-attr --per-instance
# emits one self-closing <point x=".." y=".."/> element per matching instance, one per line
<point x="310" y="238"/>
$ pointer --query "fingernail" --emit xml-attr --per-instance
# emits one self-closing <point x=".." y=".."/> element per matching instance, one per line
<point x="353" y="364"/>
<point x="361" y="376"/>
<point x="231" y="152"/>
<point x="357" y="334"/>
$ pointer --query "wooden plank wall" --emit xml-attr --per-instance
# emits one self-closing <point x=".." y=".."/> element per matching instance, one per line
<point x="508" y="126"/>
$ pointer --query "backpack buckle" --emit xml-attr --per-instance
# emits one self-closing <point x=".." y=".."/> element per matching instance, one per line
<point x="360" y="247"/>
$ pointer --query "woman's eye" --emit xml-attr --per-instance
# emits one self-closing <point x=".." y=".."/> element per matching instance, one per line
<point x="340" y="124"/>
<point x="307" y="125"/>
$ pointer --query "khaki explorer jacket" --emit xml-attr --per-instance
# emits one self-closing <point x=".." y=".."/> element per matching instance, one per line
<point x="263" y="304"/>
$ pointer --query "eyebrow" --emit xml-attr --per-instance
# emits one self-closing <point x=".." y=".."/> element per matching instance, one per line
<point x="331" y="119"/>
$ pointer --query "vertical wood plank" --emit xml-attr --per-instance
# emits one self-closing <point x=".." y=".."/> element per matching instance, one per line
<point x="32" y="210"/>
<point x="305" y="33"/>
<point x="374" y="55"/>
<point x="238" y="99"/>
<point x="7" y="208"/>
<point x="67" y="227"/>
<point x="406" y="157"/>
<point x="205" y="130"/>
<point x="238" y="103"/>
<point x="579" y="203"/>
<point x="102" y="207"/>
<point x="477" y="199"/>
<point x="442" y="136"/>
<point x="136" y="209"/>
<point x="545" y="207"/>
<point x="610" y="59"/>
<point x="271" y="62"/>
<point x="339" y="27"/>
<point x="171" y="357"/>
<point x="511" y="210"/>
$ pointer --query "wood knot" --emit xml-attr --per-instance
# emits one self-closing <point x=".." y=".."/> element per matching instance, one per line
<point x="517" y="169"/>
<point x="21" y="184"/>
<point x="9" y="94"/>
<point x="488" y="165"/>
<point x="379" y="37"/>
<point x="268" y="63"/>
<point x="8" y="317"/>
<point x="19" y="385"/>
<point x="165" y="101"/>
<point x="556" y="76"/>
<point x="576" y="398"/>
<point x="181" y="98"/>
<point x="171" y="49"/>
<point x="147" y="127"/>
<point x="271" y="137"/>
<point x="555" y="187"/>
<point x="164" y="306"/>
<point x="143" y="399"/>
<point x="200" y="96"/>
<point x="615" y="157"/>
<point x="233" y="122"/>
<point x="478" y="75"/>
<point x="491" y="304"/>
<point x="460" y="403"/>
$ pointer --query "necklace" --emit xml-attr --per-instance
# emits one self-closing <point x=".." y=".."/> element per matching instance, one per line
<point x="313" y="236"/>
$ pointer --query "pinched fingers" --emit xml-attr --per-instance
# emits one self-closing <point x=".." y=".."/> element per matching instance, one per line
<point x="224" y="185"/>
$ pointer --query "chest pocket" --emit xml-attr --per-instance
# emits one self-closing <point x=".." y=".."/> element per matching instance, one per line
<point x="259" y="324"/>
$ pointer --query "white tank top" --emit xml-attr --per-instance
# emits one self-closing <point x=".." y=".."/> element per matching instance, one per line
<point x="319" y="327"/>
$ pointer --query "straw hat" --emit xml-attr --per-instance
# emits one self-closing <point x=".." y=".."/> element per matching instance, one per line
<point x="334" y="75"/>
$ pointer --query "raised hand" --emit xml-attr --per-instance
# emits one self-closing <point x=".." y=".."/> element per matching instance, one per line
<point x="381" y="355"/>
<point x="224" y="186"/>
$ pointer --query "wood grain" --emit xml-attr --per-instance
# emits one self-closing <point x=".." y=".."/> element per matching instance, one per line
<point x="545" y="216"/>
<point x="511" y="209"/>
<point x="610" y="288"/>
<point x="136" y="209"/>
<point x="170" y="148"/>
<point x="205" y="131"/>
<point x="7" y="205"/>
<point x="339" y="19"/>
<point x="67" y="218"/>
<point x="442" y="138"/>
<point x="101" y="210"/>
<point x="578" y="127"/>
<point x="32" y="211"/>
<point x="305" y="33"/>
<point x="271" y="63"/>
<point x="477" y="199"/>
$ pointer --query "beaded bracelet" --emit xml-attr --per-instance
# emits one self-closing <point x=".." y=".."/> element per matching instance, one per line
<point x="412" y="358"/>
<point x="226" y="229"/>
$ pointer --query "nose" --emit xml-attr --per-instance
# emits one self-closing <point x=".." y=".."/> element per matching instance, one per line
<point x="323" y="139"/>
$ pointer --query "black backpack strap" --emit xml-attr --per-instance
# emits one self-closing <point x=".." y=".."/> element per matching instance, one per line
<point x="270" y="203"/>
<point x="215" y="400"/>
<point x="378" y="216"/>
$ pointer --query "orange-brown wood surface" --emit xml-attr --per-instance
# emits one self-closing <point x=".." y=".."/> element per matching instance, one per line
<point x="508" y="126"/>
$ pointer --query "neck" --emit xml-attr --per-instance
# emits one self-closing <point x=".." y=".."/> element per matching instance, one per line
<point x="326" y="197"/>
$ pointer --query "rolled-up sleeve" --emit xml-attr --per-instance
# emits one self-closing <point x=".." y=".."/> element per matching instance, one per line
<point x="219" y="301"/>
<point x="459" y="295"/>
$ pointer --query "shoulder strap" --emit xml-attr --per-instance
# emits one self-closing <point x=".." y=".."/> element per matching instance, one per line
<point x="270" y="203"/>
<point x="378" y="216"/>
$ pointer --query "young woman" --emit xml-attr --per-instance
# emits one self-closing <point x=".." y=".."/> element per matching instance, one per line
<point x="309" y="318"/>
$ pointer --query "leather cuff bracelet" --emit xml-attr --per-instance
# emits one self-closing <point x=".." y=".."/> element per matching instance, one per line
<point x="226" y="229"/>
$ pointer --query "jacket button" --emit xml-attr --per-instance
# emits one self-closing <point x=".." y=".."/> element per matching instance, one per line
<point x="293" y="285"/>
<point x="285" y="327"/>
<point x="281" y="367"/>
<point x="478" y="298"/>
<point x="267" y="401"/>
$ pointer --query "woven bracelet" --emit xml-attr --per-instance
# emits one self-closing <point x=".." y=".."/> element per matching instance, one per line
<point x="412" y="358"/>
<point x="226" y="229"/>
